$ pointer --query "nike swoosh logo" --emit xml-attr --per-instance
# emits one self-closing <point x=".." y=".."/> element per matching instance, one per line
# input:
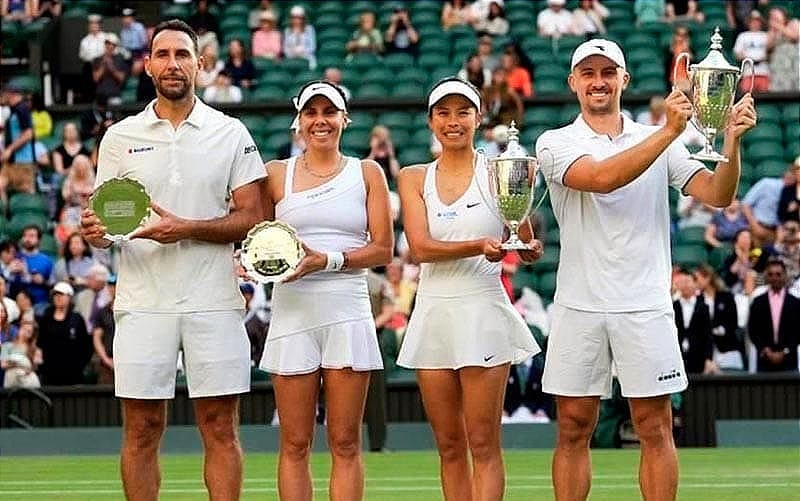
<point x="486" y="359"/>
<point x="469" y="206"/>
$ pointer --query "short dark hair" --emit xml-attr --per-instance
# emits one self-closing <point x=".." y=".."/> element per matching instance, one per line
<point x="175" y="25"/>
<point x="774" y="261"/>
<point x="33" y="227"/>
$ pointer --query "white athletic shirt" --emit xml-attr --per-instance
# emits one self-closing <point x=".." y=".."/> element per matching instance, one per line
<point x="331" y="217"/>
<point x="468" y="218"/>
<point x="615" y="248"/>
<point x="189" y="171"/>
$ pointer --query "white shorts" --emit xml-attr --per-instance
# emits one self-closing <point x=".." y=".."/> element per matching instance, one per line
<point x="642" y="345"/>
<point x="216" y="353"/>
<point x="348" y="344"/>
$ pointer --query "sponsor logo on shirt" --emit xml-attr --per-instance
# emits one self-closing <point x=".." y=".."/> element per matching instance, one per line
<point x="320" y="193"/>
<point x="140" y="149"/>
<point x="447" y="214"/>
<point x="250" y="149"/>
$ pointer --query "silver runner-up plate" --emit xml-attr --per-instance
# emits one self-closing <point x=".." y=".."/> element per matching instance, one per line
<point x="122" y="205"/>
<point x="271" y="251"/>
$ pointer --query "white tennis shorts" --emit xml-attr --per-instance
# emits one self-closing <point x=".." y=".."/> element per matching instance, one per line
<point x="344" y="345"/>
<point x="642" y="345"/>
<point x="216" y="354"/>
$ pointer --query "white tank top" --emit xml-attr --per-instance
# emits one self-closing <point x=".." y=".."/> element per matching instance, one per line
<point x="468" y="218"/>
<point x="331" y="217"/>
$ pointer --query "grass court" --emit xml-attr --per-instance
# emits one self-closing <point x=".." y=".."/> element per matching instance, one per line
<point x="730" y="474"/>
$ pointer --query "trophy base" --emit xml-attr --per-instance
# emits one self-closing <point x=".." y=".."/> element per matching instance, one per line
<point x="515" y="245"/>
<point x="708" y="156"/>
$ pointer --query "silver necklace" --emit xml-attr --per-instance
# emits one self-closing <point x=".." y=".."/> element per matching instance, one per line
<point x="335" y="171"/>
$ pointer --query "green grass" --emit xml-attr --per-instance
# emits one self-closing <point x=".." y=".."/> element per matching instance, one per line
<point x="706" y="474"/>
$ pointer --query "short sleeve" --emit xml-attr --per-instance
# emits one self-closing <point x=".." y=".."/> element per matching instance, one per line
<point x="556" y="154"/>
<point x="108" y="158"/>
<point x="247" y="164"/>
<point x="680" y="167"/>
<point x="753" y="193"/>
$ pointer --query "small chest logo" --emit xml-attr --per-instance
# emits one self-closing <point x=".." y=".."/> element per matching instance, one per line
<point x="140" y="149"/>
<point x="447" y="214"/>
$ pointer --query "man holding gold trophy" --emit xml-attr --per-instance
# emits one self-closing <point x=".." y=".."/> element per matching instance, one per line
<point x="199" y="172"/>
<point x="608" y="179"/>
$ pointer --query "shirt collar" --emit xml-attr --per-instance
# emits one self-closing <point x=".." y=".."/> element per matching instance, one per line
<point x="196" y="118"/>
<point x="778" y="294"/>
<point x="585" y="131"/>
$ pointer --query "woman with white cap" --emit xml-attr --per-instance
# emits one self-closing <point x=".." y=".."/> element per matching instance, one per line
<point x="322" y="329"/>
<point x="464" y="333"/>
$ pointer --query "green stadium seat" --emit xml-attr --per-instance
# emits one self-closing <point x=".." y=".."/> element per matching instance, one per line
<point x="791" y="113"/>
<point x="549" y="260"/>
<point x="647" y="55"/>
<point x="408" y="90"/>
<point x="371" y="91"/>
<point x="230" y="23"/>
<point x="689" y="256"/>
<point x="569" y="113"/>
<point x="420" y="138"/>
<point x="546" y="286"/>
<point x="326" y="20"/>
<point x="650" y="85"/>
<point x="18" y="222"/>
<point x="763" y="151"/>
<point x="395" y="119"/>
<point x="49" y="245"/>
<point x="440" y="45"/>
<point x="525" y="277"/>
<point x="27" y="203"/>
<point x="791" y="132"/>
<point x="771" y="168"/>
<point x="769" y="132"/>
<point x="717" y="255"/>
<point x="769" y="113"/>
<point x="238" y="9"/>
<point x="267" y="93"/>
<point x="180" y="11"/>
<point x="414" y="155"/>
<point x="398" y="61"/>
<point x="363" y="119"/>
<point x="546" y="86"/>
<point x="379" y="75"/>
<point x="692" y="235"/>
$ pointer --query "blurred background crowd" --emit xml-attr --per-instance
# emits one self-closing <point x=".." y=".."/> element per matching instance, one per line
<point x="72" y="68"/>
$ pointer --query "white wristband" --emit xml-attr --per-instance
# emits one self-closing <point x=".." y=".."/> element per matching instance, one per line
<point x="335" y="261"/>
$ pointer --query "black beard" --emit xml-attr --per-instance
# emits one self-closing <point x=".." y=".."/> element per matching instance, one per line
<point x="171" y="93"/>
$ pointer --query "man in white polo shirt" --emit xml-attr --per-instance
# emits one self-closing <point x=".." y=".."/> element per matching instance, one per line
<point x="177" y="289"/>
<point x="608" y="178"/>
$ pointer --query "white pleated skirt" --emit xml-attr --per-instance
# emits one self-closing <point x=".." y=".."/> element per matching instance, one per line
<point x="475" y="329"/>
<point x="352" y="344"/>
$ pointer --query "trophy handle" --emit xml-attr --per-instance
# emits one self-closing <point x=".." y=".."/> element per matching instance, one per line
<point x="752" y="72"/>
<point x="681" y="57"/>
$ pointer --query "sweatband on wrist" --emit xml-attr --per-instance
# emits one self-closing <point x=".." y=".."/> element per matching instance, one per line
<point x="335" y="261"/>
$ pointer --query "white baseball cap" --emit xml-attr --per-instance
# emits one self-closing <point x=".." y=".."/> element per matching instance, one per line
<point x="598" y="47"/>
<point x="453" y="86"/>
<point x="320" y="88"/>
<point x="64" y="288"/>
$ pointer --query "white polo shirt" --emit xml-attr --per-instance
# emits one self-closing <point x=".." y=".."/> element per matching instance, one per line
<point x="615" y="251"/>
<point x="191" y="172"/>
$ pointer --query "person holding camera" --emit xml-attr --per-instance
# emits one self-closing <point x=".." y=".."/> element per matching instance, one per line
<point x="381" y="149"/>
<point x="401" y="35"/>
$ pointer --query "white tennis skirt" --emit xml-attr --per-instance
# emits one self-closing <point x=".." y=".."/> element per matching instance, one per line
<point x="352" y="344"/>
<point x="471" y="330"/>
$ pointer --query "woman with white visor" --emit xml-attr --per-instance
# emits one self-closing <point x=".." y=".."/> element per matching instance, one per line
<point x="321" y="328"/>
<point x="463" y="334"/>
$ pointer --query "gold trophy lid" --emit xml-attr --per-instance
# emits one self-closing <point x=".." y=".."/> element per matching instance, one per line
<point x="514" y="150"/>
<point x="714" y="60"/>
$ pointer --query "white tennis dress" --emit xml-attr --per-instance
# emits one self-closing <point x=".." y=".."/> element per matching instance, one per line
<point x="324" y="319"/>
<point x="462" y="315"/>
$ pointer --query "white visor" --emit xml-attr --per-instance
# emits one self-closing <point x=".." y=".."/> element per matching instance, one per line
<point x="453" y="87"/>
<point x="317" y="89"/>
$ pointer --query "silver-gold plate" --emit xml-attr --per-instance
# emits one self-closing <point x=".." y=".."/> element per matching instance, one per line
<point x="122" y="204"/>
<point x="271" y="251"/>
